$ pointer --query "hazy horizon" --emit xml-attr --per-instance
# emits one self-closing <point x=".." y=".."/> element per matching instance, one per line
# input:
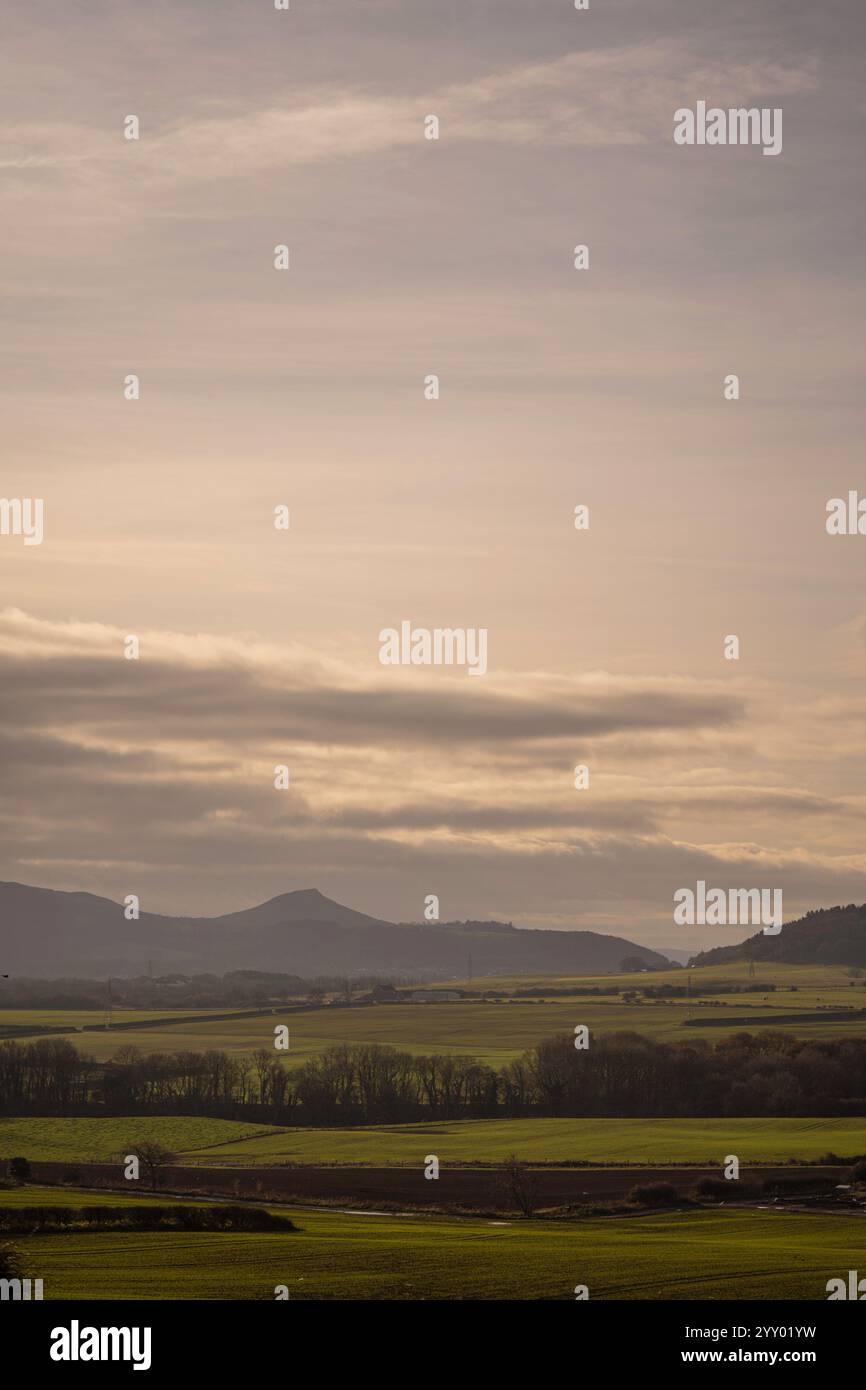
<point x="680" y="952"/>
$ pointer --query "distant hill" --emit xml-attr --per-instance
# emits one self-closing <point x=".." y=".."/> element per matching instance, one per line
<point x="49" y="934"/>
<point x="830" y="936"/>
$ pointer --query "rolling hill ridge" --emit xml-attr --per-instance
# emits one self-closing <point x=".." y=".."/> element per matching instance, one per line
<point x="49" y="933"/>
<point x="828" y="936"/>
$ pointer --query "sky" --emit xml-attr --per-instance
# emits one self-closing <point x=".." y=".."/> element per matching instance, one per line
<point x="559" y="387"/>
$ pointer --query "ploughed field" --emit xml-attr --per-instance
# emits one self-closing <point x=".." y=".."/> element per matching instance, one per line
<point x="470" y="1190"/>
<point x="716" y="1254"/>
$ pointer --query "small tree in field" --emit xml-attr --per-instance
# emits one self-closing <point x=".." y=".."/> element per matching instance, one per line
<point x="154" y="1157"/>
<point x="518" y="1185"/>
<point x="19" y="1169"/>
<point x="10" y="1267"/>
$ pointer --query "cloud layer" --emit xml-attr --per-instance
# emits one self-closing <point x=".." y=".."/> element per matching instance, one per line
<point x="156" y="776"/>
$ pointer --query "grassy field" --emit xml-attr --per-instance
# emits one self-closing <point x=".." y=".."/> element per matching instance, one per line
<point x="817" y="978"/>
<point x="701" y="1255"/>
<point x="545" y="1140"/>
<point x="496" y="1032"/>
<point x="702" y="1141"/>
<point x="92" y="1140"/>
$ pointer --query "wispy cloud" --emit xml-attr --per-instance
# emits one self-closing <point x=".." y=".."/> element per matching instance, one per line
<point x="583" y="100"/>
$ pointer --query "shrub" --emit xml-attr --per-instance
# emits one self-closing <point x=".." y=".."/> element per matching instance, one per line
<point x="858" y="1172"/>
<point x="141" y="1217"/>
<point x="249" y="1219"/>
<point x="98" y="1216"/>
<point x="19" y="1168"/>
<point x="194" y="1219"/>
<point x="655" y="1194"/>
<point x="59" y="1216"/>
<point x="26" y="1218"/>
<point x="144" y="1218"/>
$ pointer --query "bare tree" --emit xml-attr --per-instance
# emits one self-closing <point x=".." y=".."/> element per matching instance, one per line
<point x="518" y="1185"/>
<point x="263" y="1059"/>
<point x="154" y="1157"/>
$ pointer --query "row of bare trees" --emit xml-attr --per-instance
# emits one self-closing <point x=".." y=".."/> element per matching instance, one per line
<point x="44" y="1077"/>
<point x="622" y="1074"/>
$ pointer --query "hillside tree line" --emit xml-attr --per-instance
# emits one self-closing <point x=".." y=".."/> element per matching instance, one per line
<point x="623" y="1074"/>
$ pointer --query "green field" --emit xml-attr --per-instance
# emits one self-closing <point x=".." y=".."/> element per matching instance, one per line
<point x="815" y="978"/>
<point x="493" y="1033"/>
<point x="498" y="1031"/>
<point x="702" y="1255"/>
<point x="91" y="1140"/>
<point x="556" y="1141"/>
<point x="701" y="1141"/>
